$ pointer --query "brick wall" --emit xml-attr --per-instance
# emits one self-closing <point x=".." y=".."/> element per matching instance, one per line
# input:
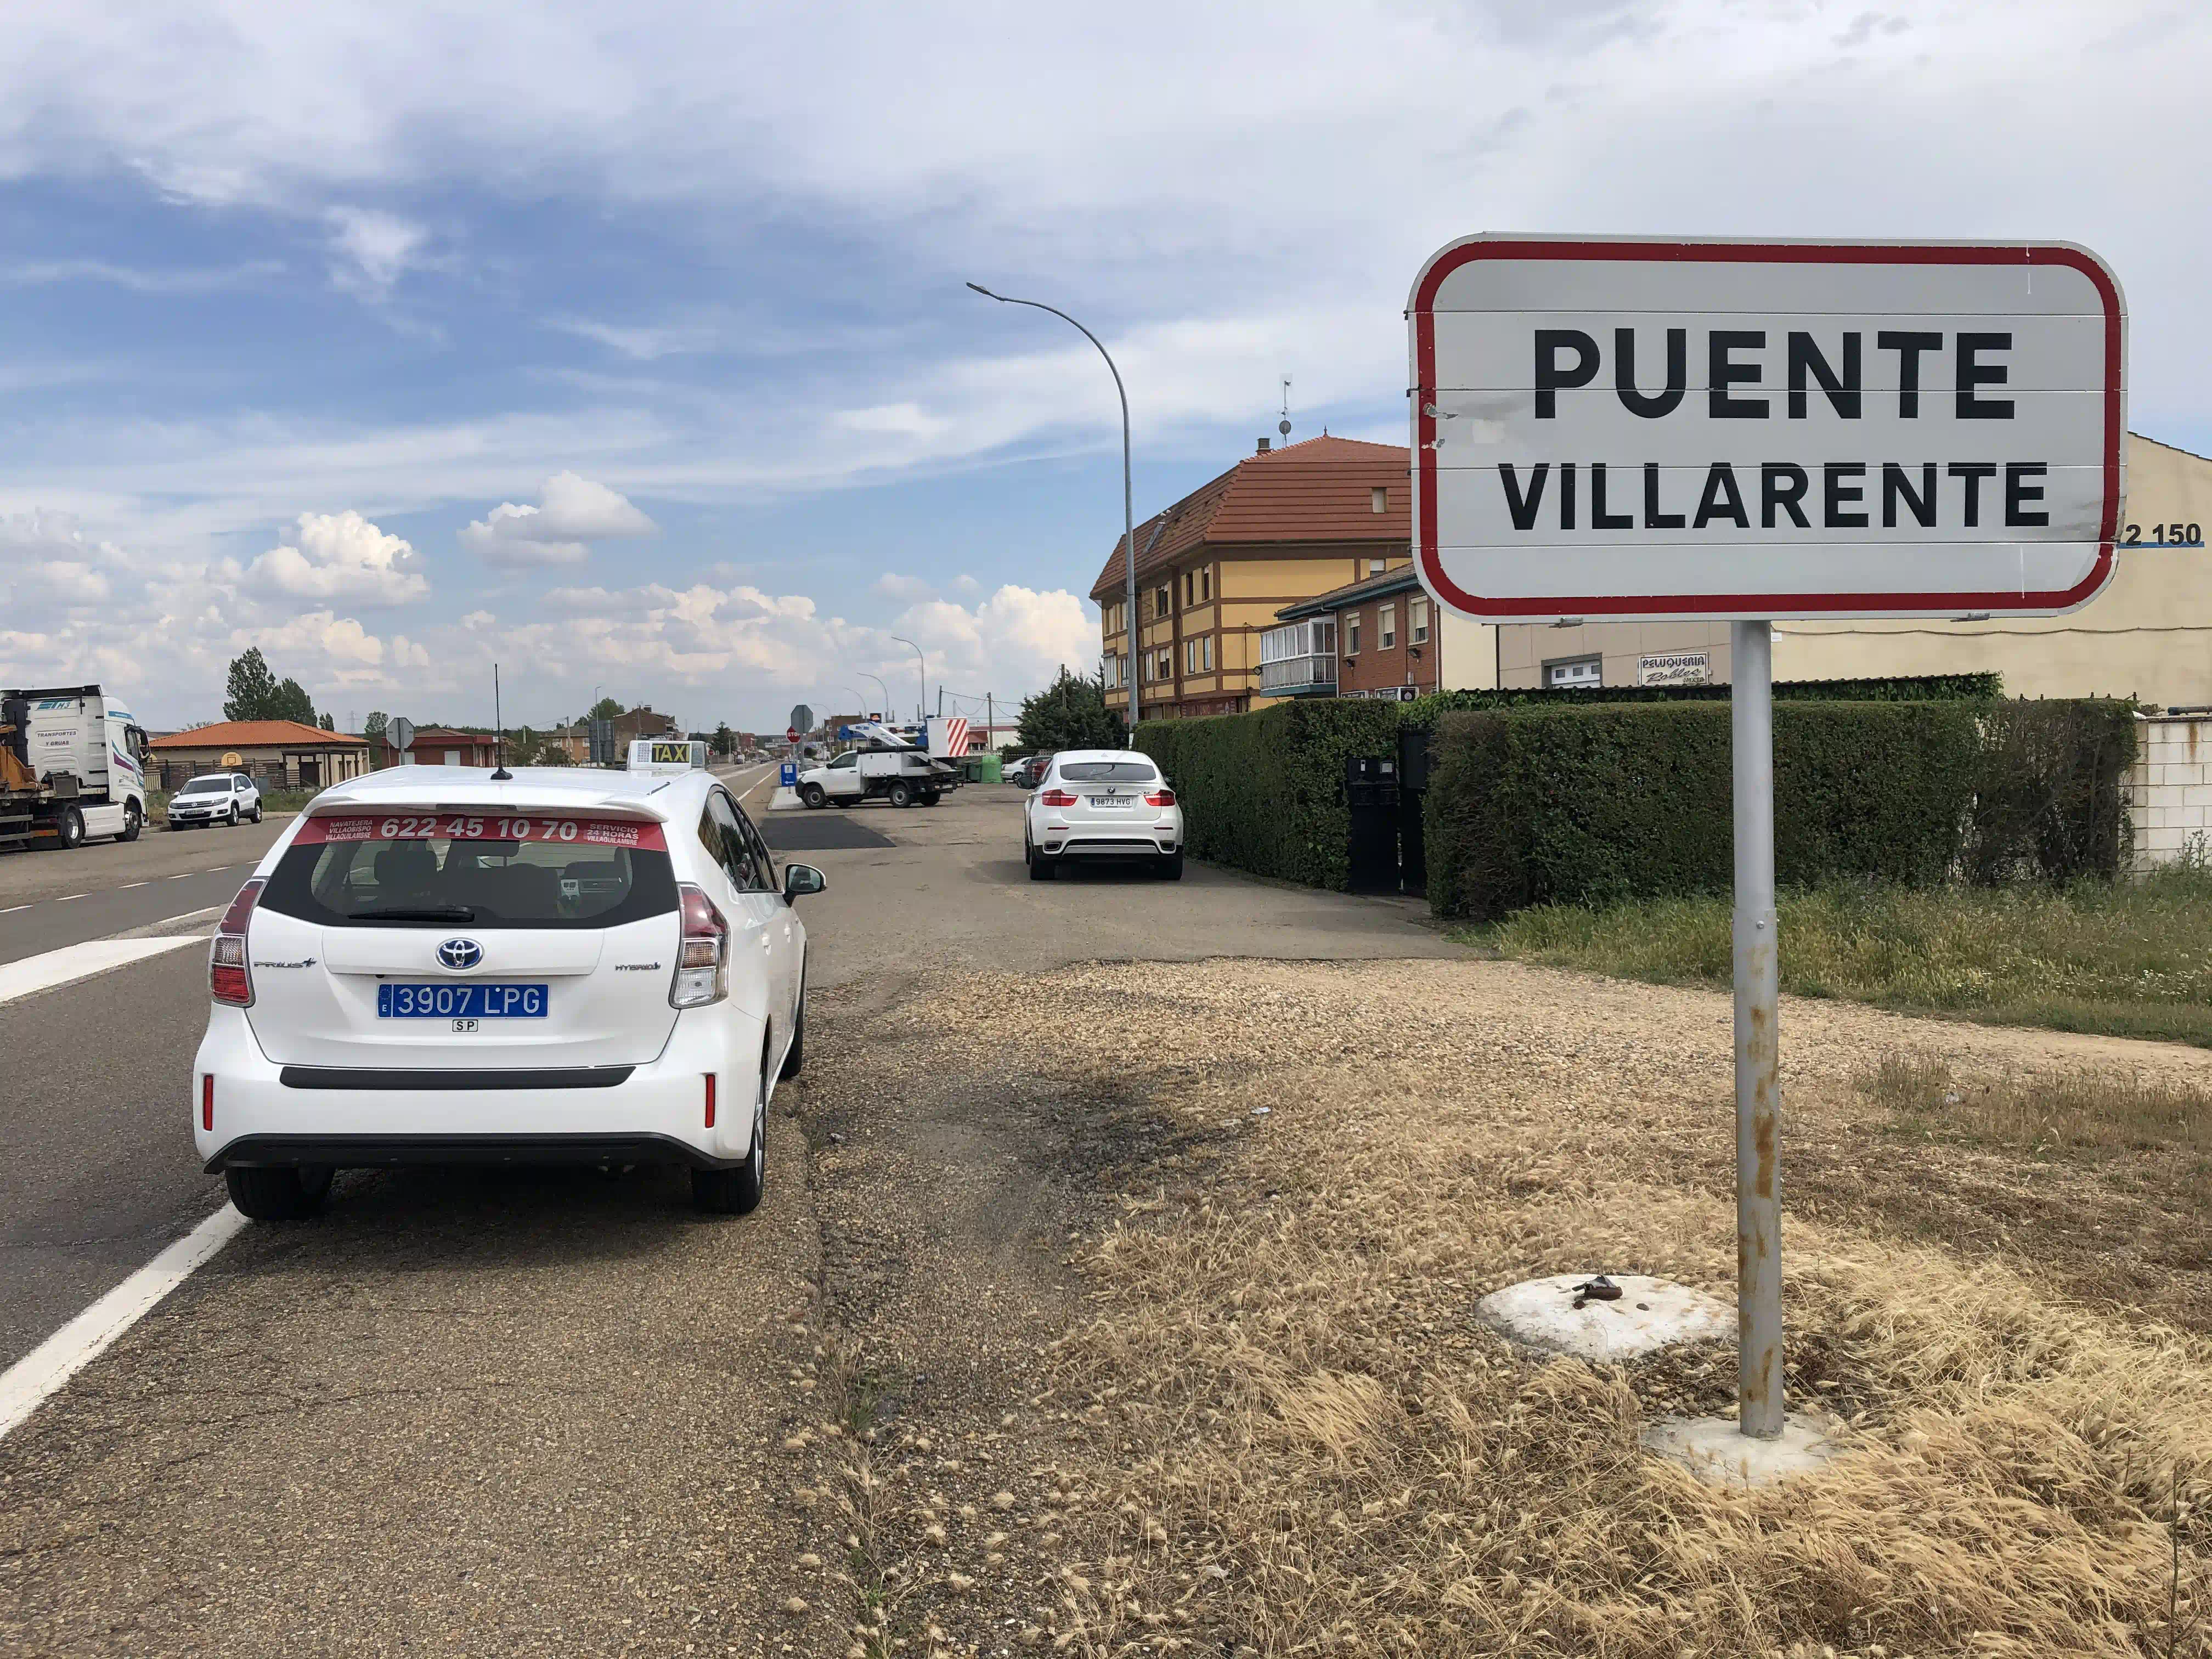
<point x="2170" y="788"/>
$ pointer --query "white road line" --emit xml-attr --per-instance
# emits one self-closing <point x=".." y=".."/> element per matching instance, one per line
<point x="66" y="897"/>
<point x="128" y="885"/>
<point x="12" y="909"/>
<point x="76" y="961"/>
<point x="25" y="1385"/>
<point x="181" y="874"/>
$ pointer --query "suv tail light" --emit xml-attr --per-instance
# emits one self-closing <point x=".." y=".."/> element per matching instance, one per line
<point x="229" y="978"/>
<point x="1057" y="797"/>
<point x="702" y="961"/>
<point x="1160" y="797"/>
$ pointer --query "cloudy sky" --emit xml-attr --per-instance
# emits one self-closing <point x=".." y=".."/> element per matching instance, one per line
<point x="628" y="346"/>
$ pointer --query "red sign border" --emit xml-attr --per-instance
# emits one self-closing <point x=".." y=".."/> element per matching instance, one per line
<point x="1636" y="607"/>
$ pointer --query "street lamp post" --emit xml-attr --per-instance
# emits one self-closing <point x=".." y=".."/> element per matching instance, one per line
<point x="920" y="708"/>
<point x="1128" y="491"/>
<point x="881" y="687"/>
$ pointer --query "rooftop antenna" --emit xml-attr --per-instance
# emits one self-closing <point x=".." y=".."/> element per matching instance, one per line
<point x="500" y="720"/>
<point x="1283" y="425"/>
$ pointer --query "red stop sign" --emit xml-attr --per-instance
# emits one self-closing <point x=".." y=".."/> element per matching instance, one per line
<point x="791" y="734"/>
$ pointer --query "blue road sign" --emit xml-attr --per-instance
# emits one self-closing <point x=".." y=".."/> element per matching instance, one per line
<point x="788" y="777"/>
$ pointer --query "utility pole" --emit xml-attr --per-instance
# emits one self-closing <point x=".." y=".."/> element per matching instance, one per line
<point x="990" y="724"/>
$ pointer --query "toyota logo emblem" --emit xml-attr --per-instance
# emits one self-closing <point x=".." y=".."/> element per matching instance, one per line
<point x="461" y="953"/>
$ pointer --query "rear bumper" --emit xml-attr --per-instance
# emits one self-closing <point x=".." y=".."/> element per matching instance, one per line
<point x="265" y="1114"/>
<point x="1093" y="840"/>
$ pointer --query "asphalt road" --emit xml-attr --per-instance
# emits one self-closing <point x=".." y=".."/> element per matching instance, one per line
<point x="51" y="899"/>
<point x="486" y="1412"/>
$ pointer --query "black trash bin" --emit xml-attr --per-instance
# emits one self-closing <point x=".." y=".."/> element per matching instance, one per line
<point x="1371" y="794"/>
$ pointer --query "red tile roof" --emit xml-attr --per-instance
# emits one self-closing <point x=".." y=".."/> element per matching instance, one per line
<point x="254" y="734"/>
<point x="1320" y="490"/>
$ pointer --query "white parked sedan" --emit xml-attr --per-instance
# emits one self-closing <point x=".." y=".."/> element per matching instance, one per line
<point x="435" y="965"/>
<point x="1108" y="805"/>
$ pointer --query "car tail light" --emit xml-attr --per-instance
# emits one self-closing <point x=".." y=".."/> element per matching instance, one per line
<point x="710" y="1100"/>
<point x="207" y="1101"/>
<point x="1057" y="797"/>
<point x="228" y="980"/>
<point x="1160" y="797"/>
<point x="702" y="962"/>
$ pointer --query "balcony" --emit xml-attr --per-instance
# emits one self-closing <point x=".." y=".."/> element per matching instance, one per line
<point x="1292" y="677"/>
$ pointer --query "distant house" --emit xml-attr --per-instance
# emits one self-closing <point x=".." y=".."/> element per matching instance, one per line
<point x="440" y="745"/>
<point x="276" y="754"/>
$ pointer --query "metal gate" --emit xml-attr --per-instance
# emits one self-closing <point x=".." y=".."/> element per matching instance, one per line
<point x="1370" y="798"/>
<point x="1412" y="791"/>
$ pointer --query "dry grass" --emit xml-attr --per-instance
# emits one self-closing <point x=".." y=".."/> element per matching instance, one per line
<point x="2096" y="1110"/>
<point x="1302" y="1443"/>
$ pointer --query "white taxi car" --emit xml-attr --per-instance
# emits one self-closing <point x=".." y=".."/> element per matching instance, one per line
<point x="1109" y="805"/>
<point x="435" y="965"/>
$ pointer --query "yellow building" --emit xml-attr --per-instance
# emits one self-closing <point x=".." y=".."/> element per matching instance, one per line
<point x="1213" y="571"/>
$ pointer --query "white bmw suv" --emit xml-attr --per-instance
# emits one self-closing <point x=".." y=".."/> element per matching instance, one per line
<point x="1106" y="804"/>
<point x="438" y="965"/>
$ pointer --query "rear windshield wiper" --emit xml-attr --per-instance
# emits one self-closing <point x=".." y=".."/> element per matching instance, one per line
<point x="423" y="913"/>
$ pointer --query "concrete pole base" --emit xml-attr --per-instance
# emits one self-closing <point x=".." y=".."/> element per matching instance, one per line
<point x="1650" y="1314"/>
<point x="1720" y="1454"/>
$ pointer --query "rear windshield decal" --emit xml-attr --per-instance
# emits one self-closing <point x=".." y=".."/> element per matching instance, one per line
<point x="581" y="832"/>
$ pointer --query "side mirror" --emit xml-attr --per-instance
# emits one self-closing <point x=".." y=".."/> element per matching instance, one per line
<point x="800" y="878"/>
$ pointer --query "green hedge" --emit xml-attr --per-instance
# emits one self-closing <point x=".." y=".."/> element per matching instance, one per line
<point x="1912" y="687"/>
<point x="1531" y="806"/>
<point x="1264" y="791"/>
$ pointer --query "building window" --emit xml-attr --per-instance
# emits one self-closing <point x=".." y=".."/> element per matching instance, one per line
<point x="1376" y="567"/>
<point x="1352" y="633"/>
<point x="1162" y="602"/>
<point x="1386" y="626"/>
<point x="1206" y="586"/>
<point x="1189" y="588"/>
<point x="1378" y="500"/>
<point x="1576" y="671"/>
<point x="1418" y="620"/>
<point x="1206" y="654"/>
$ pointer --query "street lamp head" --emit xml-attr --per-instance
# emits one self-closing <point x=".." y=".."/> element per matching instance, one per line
<point x="980" y="290"/>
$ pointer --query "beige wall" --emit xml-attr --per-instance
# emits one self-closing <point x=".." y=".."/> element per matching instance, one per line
<point x="1524" y="649"/>
<point x="2148" y="634"/>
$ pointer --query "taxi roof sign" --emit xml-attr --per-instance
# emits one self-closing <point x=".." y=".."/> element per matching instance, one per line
<point x="666" y="757"/>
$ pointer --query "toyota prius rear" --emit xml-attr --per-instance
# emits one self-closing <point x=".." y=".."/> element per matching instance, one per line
<point x="521" y="969"/>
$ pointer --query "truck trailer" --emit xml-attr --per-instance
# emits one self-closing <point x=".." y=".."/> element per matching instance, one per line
<point x="72" y="766"/>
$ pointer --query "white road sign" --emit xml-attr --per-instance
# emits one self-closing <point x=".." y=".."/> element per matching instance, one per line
<point x="1626" y="428"/>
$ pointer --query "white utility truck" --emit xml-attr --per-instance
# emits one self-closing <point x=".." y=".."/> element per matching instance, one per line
<point x="72" y="766"/>
<point x="886" y="767"/>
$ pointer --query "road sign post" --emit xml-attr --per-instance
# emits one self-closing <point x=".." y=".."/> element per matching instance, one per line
<point x="1648" y="431"/>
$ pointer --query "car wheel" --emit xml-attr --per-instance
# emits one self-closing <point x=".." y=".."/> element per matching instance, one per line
<point x="796" y="1056"/>
<point x="68" y="829"/>
<point x="736" y="1192"/>
<point x="284" y="1193"/>
<point x="234" y="815"/>
<point x="257" y="811"/>
<point x="932" y="798"/>
<point x="900" y="794"/>
<point x="133" y="820"/>
<point x="1170" y="867"/>
<point x="1040" y="866"/>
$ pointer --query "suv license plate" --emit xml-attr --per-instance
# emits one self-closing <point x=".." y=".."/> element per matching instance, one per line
<point x="475" y="999"/>
<point x="1109" y="800"/>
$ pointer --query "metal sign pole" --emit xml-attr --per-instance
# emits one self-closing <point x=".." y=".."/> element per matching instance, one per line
<point x="1758" y="1049"/>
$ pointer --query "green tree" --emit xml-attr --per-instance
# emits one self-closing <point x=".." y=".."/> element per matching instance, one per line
<point x="252" y="688"/>
<point x="292" y="702"/>
<point x="1070" y="714"/>
<point x="372" y="727"/>
<point x="724" y="741"/>
<point x="330" y="721"/>
<point x="605" y="709"/>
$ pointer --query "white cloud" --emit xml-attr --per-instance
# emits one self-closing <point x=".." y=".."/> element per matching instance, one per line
<point x="371" y="249"/>
<point x="341" y="556"/>
<point x="574" y="512"/>
<point x="906" y="589"/>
